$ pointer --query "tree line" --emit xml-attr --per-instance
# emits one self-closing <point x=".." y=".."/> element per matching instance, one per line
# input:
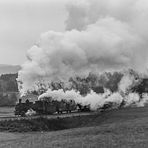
<point x="84" y="85"/>
<point x="8" y="89"/>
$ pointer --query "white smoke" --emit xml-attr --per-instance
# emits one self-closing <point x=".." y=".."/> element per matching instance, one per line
<point x="101" y="35"/>
<point x="132" y="99"/>
<point x="95" y="100"/>
<point x="129" y="80"/>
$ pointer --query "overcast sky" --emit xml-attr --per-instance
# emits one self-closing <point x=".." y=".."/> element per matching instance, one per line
<point x="22" y="22"/>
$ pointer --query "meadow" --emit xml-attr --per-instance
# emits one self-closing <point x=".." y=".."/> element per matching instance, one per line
<point x="124" y="128"/>
<point x="6" y="111"/>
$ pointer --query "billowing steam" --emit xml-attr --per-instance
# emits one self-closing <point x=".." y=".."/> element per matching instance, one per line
<point x="100" y="35"/>
<point x="93" y="99"/>
<point x="97" y="101"/>
<point x="106" y="35"/>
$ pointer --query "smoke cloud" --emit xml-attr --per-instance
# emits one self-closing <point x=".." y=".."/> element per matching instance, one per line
<point x="100" y="36"/>
<point x="96" y="101"/>
<point x="124" y="97"/>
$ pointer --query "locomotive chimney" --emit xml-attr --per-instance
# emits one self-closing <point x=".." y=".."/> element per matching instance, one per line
<point x="20" y="101"/>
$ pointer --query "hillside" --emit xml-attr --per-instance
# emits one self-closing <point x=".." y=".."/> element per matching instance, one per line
<point x="124" y="128"/>
<point x="6" y="69"/>
<point x="8" y="89"/>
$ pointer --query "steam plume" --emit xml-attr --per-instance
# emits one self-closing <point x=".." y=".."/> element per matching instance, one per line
<point x="123" y="96"/>
<point x="95" y="100"/>
<point x="100" y="36"/>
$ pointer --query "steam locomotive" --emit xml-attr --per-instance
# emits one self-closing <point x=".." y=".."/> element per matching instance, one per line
<point x="48" y="107"/>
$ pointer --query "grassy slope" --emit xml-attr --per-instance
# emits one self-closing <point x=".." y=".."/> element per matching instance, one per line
<point x="125" y="128"/>
<point x="7" y="111"/>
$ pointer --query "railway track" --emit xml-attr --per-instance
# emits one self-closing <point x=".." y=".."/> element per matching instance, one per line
<point x="54" y="116"/>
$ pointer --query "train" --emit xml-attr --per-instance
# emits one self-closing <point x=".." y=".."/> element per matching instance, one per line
<point x="49" y="107"/>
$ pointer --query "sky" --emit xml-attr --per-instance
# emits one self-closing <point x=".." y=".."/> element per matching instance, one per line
<point x="98" y="36"/>
<point x="22" y="22"/>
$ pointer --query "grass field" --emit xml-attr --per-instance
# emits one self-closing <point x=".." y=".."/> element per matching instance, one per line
<point x="125" y="128"/>
<point x="6" y="111"/>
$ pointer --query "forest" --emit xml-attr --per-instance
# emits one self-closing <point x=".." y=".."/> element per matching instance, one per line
<point x="8" y="89"/>
<point x="84" y="85"/>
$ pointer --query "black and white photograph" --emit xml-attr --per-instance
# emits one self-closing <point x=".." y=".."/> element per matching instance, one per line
<point x="73" y="74"/>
